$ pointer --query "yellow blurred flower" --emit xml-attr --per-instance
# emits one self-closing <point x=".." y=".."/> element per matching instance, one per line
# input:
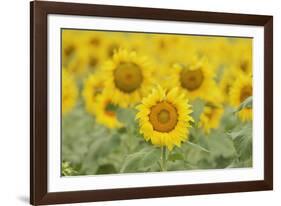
<point x="128" y="77"/>
<point x="70" y="44"/>
<point x="196" y="81"/>
<point x="210" y="117"/>
<point x="114" y="42"/>
<point x="240" y="91"/>
<point x="164" y="117"/>
<point x="105" y="115"/>
<point x="93" y="86"/>
<point x="243" y="55"/>
<point x="69" y="92"/>
<point x="228" y="78"/>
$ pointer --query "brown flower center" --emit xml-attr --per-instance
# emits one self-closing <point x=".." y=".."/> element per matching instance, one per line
<point x="244" y="65"/>
<point x="69" y="50"/>
<point x="128" y="77"/>
<point x="112" y="49"/>
<point x="109" y="111"/>
<point x="245" y="93"/>
<point x="163" y="117"/>
<point x="191" y="79"/>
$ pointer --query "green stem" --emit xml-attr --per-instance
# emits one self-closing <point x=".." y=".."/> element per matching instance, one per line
<point x="163" y="159"/>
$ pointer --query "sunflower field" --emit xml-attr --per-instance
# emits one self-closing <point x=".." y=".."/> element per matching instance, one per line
<point x="146" y="102"/>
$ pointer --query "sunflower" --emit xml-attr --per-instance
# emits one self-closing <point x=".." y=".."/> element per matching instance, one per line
<point x="93" y="86"/>
<point x="196" y="80"/>
<point x="243" y="56"/>
<point x="239" y="92"/>
<point x="228" y="77"/>
<point x="210" y="117"/>
<point x="129" y="77"/>
<point x="105" y="115"/>
<point x="70" y="45"/>
<point x="69" y="92"/>
<point x="113" y="43"/>
<point x="92" y="48"/>
<point x="164" y="117"/>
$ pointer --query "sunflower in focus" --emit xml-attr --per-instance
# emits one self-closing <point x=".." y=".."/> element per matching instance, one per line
<point x="129" y="77"/>
<point x="210" y="117"/>
<point x="105" y="114"/>
<point x="69" y="92"/>
<point x="93" y="86"/>
<point x="164" y="117"/>
<point x="240" y="91"/>
<point x="196" y="80"/>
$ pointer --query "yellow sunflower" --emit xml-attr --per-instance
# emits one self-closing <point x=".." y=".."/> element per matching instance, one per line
<point x="114" y="42"/>
<point x="70" y="45"/>
<point x="128" y="77"/>
<point x="243" y="55"/>
<point x="196" y="80"/>
<point x="164" y="117"/>
<point x="241" y="90"/>
<point x="105" y="115"/>
<point x="69" y="92"/>
<point x="210" y="117"/>
<point x="93" y="86"/>
<point x="228" y="77"/>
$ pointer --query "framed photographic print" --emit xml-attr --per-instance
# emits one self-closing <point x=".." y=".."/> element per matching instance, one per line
<point x="131" y="102"/>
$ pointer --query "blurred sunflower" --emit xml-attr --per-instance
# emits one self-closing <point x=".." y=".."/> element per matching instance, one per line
<point x="69" y="92"/>
<point x="240" y="91"/>
<point x="105" y="114"/>
<point x="128" y="77"/>
<point x="196" y="80"/>
<point x="210" y="117"/>
<point x="164" y="117"/>
<point x="114" y="43"/>
<point x="70" y="44"/>
<point x="93" y="86"/>
<point x="78" y="64"/>
<point x="228" y="77"/>
<point x="92" y="49"/>
<point x="243" y="56"/>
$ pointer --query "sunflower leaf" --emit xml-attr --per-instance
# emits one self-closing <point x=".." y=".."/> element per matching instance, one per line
<point x="198" y="147"/>
<point x="175" y="156"/>
<point x="246" y="104"/>
<point x="197" y="107"/>
<point x="141" y="161"/>
<point x="126" y="116"/>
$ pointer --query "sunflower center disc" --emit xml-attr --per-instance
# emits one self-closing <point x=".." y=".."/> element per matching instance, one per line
<point x="128" y="77"/>
<point x="191" y="79"/>
<point x="245" y="93"/>
<point x="210" y="113"/>
<point x="244" y="65"/>
<point x="109" y="109"/>
<point x="163" y="117"/>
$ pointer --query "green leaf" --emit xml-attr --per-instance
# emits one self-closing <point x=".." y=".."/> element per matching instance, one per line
<point x="67" y="169"/>
<point x="197" y="107"/>
<point x="242" y="138"/>
<point x="126" y="116"/>
<point x="221" y="145"/>
<point x="243" y="144"/>
<point x="246" y="104"/>
<point x="142" y="160"/>
<point x="175" y="156"/>
<point x="197" y="146"/>
<point x="106" y="169"/>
